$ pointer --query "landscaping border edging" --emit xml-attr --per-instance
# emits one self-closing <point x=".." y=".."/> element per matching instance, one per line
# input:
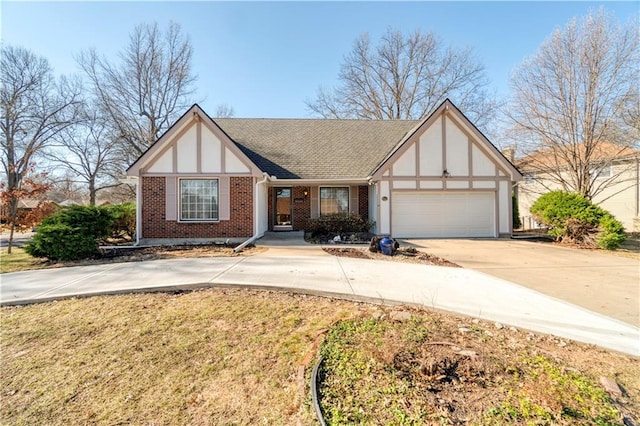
<point x="314" y="391"/>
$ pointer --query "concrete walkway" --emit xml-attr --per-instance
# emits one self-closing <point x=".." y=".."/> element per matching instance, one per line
<point x="458" y="290"/>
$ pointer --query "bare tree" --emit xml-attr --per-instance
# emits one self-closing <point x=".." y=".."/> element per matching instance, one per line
<point x="34" y="108"/>
<point x="88" y="150"/>
<point x="572" y="96"/>
<point x="65" y="188"/>
<point x="405" y="77"/>
<point x="224" y="111"/>
<point x="147" y="89"/>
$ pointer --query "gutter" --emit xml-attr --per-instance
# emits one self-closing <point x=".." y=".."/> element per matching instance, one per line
<point x="256" y="218"/>
<point x="637" y="186"/>
<point x="296" y="182"/>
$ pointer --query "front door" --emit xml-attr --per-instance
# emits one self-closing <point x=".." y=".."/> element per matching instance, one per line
<point x="282" y="208"/>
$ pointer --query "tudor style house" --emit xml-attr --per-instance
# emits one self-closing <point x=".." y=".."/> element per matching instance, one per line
<point x="235" y="178"/>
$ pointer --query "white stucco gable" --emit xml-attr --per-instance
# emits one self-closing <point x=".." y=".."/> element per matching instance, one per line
<point x="445" y="178"/>
<point x="194" y="145"/>
<point x="446" y="140"/>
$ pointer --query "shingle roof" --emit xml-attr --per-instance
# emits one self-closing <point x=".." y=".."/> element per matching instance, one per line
<point x="545" y="159"/>
<point x="315" y="148"/>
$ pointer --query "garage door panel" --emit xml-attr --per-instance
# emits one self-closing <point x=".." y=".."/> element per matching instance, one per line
<point x="443" y="214"/>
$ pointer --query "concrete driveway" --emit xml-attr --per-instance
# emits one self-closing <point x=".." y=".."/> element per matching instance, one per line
<point x="599" y="281"/>
<point x="459" y="290"/>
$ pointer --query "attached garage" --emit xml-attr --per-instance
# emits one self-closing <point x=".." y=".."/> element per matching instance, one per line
<point x="445" y="179"/>
<point x="421" y="214"/>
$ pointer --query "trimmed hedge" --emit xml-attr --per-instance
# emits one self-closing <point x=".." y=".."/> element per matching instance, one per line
<point x="337" y="224"/>
<point x="572" y="217"/>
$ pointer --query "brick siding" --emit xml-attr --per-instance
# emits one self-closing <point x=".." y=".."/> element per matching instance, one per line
<point x="363" y="202"/>
<point x="155" y="225"/>
<point x="301" y="211"/>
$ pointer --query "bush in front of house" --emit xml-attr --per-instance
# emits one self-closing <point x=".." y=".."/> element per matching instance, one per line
<point x="573" y="218"/>
<point x="123" y="220"/>
<point x="72" y="233"/>
<point x="337" y="224"/>
<point x="613" y="233"/>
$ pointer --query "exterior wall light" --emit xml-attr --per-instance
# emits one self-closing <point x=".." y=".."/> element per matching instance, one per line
<point x="445" y="173"/>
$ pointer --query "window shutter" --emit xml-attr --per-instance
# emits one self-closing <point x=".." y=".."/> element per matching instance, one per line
<point x="314" y="202"/>
<point x="353" y="200"/>
<point x="171" y="206"/>
<point x="224" y="203"/>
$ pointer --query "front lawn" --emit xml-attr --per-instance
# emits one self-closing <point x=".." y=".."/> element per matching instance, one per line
<point x="426" y="370"/>
<point x="19" y="260"/>
<point x="207" y="357"/>
<point x="226" y="356"/>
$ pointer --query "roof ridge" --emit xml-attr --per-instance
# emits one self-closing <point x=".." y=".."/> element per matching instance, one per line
<point x="360" y="120"/>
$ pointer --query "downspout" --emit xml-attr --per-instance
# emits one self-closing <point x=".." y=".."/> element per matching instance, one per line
<point x="637" y="186"/>
<point x="138" y="210"/>
<point x="256" y="219"/>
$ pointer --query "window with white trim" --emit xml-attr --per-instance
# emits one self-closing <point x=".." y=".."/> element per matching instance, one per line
<point x="603" y="172"/>
<point x="199" y="200"/>
<point x="334" y="200"/>
<point x="529" y="178"/>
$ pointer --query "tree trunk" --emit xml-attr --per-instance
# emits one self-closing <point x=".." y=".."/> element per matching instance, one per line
<point x="92" y="192"/>
<point x="13" y="212"/>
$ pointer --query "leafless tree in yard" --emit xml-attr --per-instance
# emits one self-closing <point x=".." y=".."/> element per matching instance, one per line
<point x="147" y="89"/>
<point x="224" y="110"/>
<point x="89" y="151"/>
<point x="65" y="188"/>
<point x="405" y="77"/>
<point x="574" y="96"/>
<point x="34" y="109"/>
<point x="629" y="121"/>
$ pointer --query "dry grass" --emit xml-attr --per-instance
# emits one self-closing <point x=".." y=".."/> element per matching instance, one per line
<point x="19" y="260"/>
<point x="439" y="369"/>
<point x="208" y="357"/>
<point x="629" y="248"/>
<point x="219" y="356"/>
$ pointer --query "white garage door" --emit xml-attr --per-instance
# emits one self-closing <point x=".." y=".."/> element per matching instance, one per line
<point x="443" y="214"/>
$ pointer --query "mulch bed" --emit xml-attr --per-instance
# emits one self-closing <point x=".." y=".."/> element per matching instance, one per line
<point x="401" y="255"/>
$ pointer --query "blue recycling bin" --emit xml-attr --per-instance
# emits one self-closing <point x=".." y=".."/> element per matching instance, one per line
<point x="386" y="246"/>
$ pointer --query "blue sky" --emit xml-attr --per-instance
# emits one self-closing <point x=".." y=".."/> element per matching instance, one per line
<point x="266" y="58"/>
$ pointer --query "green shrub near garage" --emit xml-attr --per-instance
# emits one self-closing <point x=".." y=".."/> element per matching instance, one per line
<point x="572" y="217"/>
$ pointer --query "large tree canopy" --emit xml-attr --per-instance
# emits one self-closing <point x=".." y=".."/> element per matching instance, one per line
<point x="405" y="77"/>
<point x="576" y="97"/>
<point x="144" y="92"/>
<point x="34" y="109"/>
<point x="88" y="151"/>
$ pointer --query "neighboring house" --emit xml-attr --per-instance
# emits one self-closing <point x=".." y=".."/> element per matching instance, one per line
<point x="615" y="182"/>
<point x="30" y="211"/>
<point x="237" y="178"/>
<point x="25" y="205"/>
